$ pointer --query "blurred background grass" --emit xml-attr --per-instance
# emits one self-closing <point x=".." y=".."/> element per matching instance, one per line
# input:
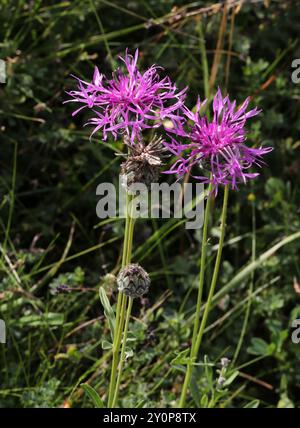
<point x="50" y="235"/>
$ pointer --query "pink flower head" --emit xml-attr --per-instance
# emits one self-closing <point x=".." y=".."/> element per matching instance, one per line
<point x="217" y="146"/>
<point x="129" y="102"/>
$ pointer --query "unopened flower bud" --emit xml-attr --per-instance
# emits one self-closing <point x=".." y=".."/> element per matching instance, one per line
<point x="109" y="280"/>
<point x="221" y="381"/>
<point x="133" y="280"/>
<point x="225" y="362"/>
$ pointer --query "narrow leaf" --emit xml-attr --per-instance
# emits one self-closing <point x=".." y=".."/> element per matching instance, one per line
<point x="108" y="311"/>
<point x="94" y="396"/>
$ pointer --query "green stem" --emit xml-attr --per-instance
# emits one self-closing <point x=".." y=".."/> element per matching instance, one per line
<point x="130" y="233"/>
<point x="200" y="293"/>
<point x="121" y="303"/>
<point x="116" y="345"/>
<point x="202" y="268"/>
<point x="128" y="313"/>
<point x="122" y="358"/>
<point x="196" y="347"/>
<point x="216" y="270"/>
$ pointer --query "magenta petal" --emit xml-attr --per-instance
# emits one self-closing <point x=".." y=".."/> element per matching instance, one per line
<point x="218" y="146"/>
<point x="130" y="102"/>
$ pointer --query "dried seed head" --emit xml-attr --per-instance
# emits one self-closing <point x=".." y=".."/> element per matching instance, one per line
<point x="133" y="280"/>
<point x="143" y="163"/>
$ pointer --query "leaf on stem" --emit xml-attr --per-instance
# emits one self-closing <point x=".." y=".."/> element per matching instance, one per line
<point x="93" y="395"/>
<point x="108" y="311"/>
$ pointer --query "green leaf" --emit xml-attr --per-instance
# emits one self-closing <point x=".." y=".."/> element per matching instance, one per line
<point x="181" y="358"/>
<point x="231" y="378"/>
<point x="259" y="347"/>
<point x="252" y="405"/>
<point x="141" y="404"/>
<point x="105" y="344"/>
<point x="204" y="401"/>
<point x="128" y="352"/>
<point x="285" y="402"/>
<point x="108" y="311"/>
<point x="94" y="396"/>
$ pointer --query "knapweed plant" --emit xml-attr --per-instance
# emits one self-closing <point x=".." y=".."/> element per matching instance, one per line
<point x="124" y="107"/>
<point x="218" y="148"/>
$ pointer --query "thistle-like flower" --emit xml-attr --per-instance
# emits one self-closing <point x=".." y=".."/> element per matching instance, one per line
<point x="217" y="146"/>
<point x="143" y="162"/>
<point x="133" y="280"/>
<point x="129" y="102"/>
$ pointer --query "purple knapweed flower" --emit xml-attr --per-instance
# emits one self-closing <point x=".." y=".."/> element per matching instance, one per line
<point x="217" y="146"/>
<point x="129" y="102"/>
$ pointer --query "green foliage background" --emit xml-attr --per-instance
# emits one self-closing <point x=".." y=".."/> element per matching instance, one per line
<point x="50" y="234"/>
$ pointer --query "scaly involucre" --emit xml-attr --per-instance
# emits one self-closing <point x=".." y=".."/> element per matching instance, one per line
<point x="217" y="146"/>
<point x="129" y="102"/>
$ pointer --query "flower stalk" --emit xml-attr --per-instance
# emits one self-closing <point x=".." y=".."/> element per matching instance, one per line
<point x="121" y="303"/>
<point x="122" y="357"/>
<point x="197" y="343"/>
